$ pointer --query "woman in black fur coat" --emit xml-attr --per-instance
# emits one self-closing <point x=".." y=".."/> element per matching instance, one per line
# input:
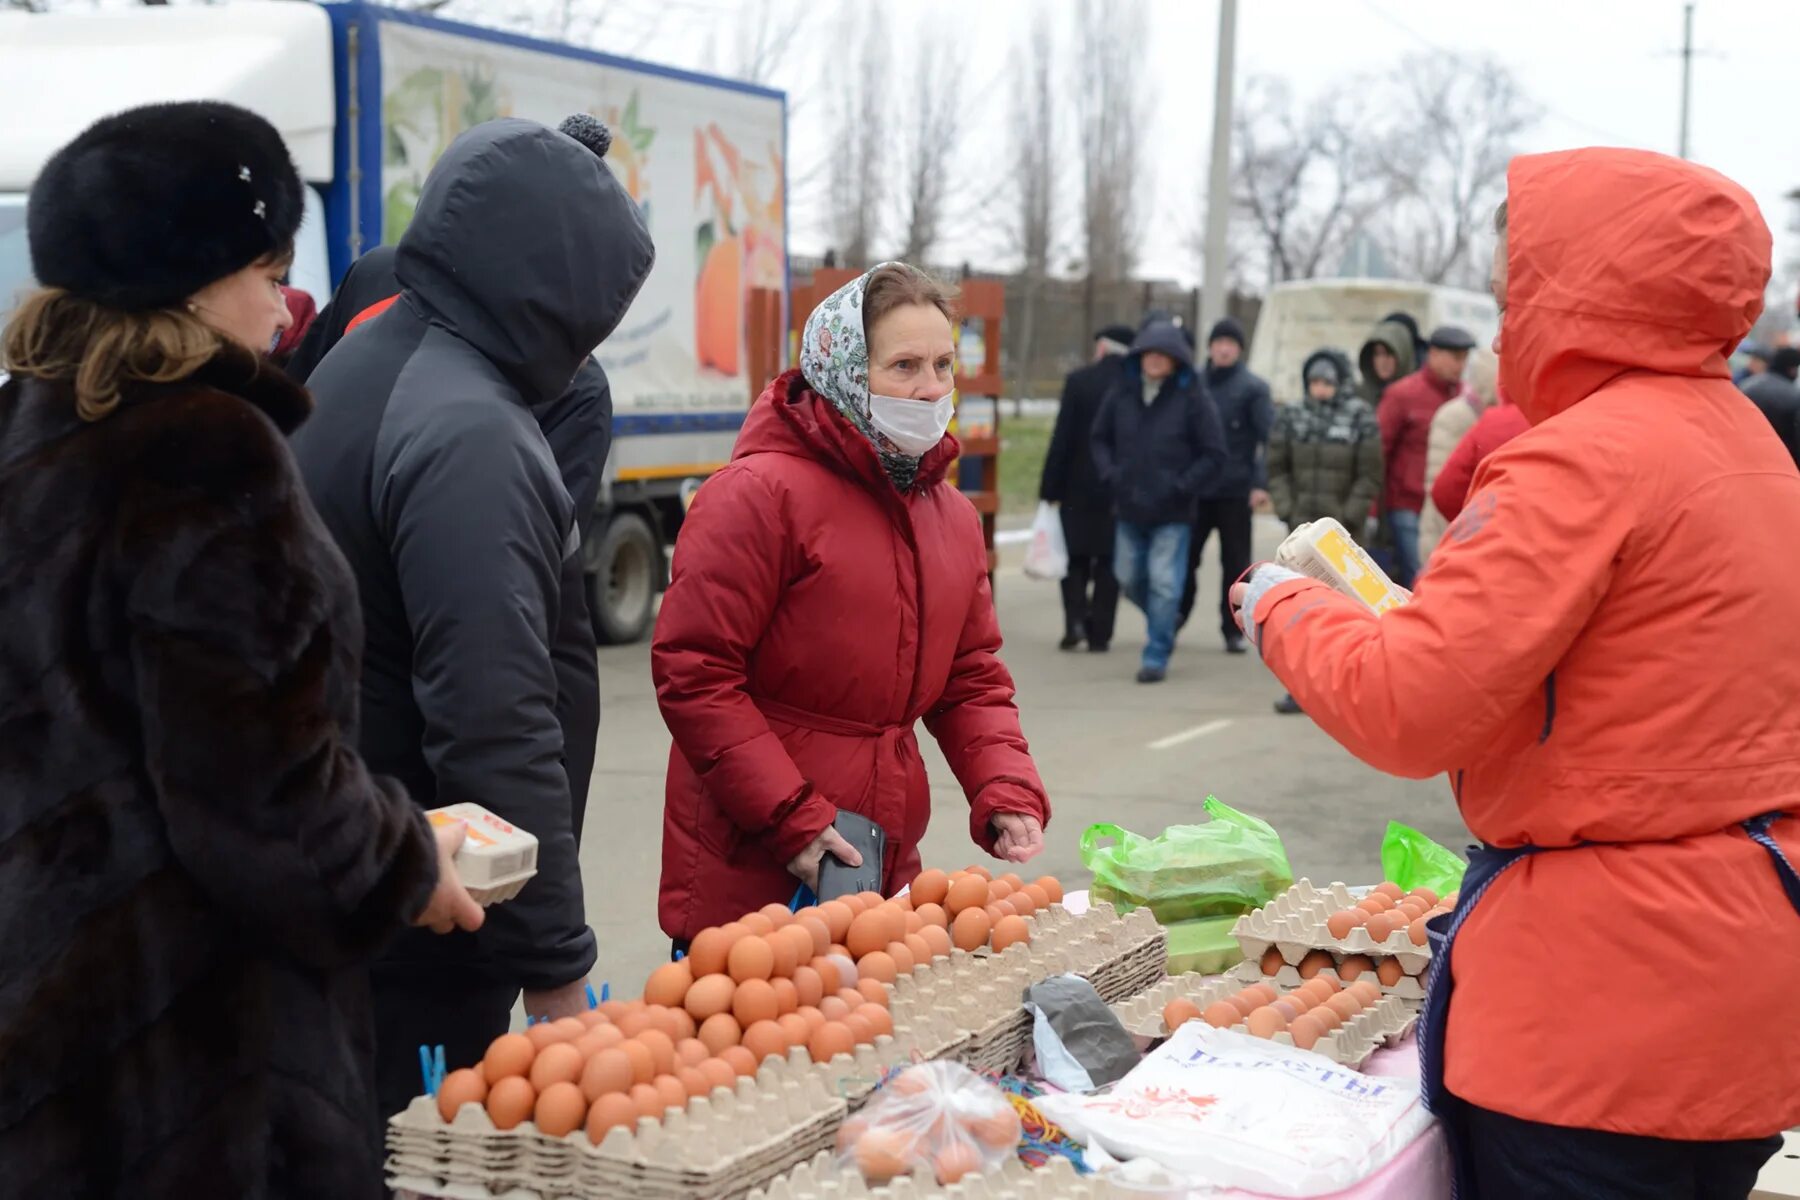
<point x="194" y="864"/>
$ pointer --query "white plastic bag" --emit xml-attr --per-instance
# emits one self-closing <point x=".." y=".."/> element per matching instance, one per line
<point x="1047" y="557"/>
<point x="1236" y="1111"/>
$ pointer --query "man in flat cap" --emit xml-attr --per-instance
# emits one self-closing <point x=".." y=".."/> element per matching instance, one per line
<point x="1405" y="414"/>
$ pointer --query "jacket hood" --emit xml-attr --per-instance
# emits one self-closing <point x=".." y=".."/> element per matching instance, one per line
<point x="1398" y="338"/>
<point x="1346" y="374"/>
<point x="525" y="246"/>
<point x="1623" y="260"/>
<point x="1164" y="337"/>
<point x="791" y="418"/>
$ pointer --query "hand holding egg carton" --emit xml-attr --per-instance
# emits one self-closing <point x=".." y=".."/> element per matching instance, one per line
<point x="496" y="860"/>
<point x="1308" y="931"/>
<point x="1344" y="1024"/>
<point x="824" y="1179"/>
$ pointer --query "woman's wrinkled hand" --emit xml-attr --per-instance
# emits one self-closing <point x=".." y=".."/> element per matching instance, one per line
<point x="1019" y="837"/>
<point x="805" y="865"/>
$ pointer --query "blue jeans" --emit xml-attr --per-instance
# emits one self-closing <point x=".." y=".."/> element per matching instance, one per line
<point x="1404" y="526"/>
<point x="1151" y="563"/>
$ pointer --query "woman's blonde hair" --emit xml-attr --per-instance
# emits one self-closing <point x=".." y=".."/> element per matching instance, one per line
<point x="59" y="336"/>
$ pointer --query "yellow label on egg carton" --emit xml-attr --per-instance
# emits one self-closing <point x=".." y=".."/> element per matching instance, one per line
<point x="1324" y="550"/>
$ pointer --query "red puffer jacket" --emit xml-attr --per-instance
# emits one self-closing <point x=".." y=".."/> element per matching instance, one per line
<point x="815" y="614"/>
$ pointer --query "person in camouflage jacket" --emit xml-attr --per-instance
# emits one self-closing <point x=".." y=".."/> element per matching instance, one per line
<point x="1325" y="453"/>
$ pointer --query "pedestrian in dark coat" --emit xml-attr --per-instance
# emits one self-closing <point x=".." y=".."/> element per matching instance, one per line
<point x="577" y="425"/>
<point x="429" y="466"/>
<point x="195" y="866"/>
<point x="1157" y="444"/>
<point x="1775" y="393"/>
<point x="1247" y="413"/>
<point x="1090" y="591"/>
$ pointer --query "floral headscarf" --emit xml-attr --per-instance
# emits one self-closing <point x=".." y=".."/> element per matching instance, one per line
<point x="834" y="357"/>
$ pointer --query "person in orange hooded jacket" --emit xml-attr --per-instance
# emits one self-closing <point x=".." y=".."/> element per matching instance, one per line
<point x="1600" y="656"/>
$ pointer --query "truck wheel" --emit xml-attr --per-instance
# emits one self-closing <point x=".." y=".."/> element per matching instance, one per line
<point x="621" y="580"/>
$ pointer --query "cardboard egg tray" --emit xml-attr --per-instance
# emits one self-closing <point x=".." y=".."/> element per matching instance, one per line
<point x="1349" y="1046"/>
<point x="1294" y="923"/>
<point x="823" y="1179"/>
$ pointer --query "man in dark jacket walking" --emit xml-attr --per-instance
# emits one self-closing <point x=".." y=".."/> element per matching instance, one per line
<point x="427" y="462"/>
<point x="1157" y="444"/>
<point x="1775" y="393"/>
<point x="1072" y="483"/>
<point x="1247" y="413"/>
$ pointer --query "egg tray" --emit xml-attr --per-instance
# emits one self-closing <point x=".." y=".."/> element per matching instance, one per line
<point x="822" y="1178"/>
<point x="1294" y="922"/>
<point x="1384" y="1024"/>
<point x="1410" y="988"/>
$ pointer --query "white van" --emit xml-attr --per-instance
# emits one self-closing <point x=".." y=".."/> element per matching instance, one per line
<point x="1304" y="315"/>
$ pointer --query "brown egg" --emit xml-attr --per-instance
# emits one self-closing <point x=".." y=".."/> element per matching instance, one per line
<point x="634" y="1023"/>
<point x="710" y="948"/>
<point x="902" y="955"/>
<point x="1413" y="907"/>
<point x="1288" y="1009"/>
<point x="507" y="1055"/>
<point x="612" y="1010"/>
<point x="1219" y="1014"/>
<point x="860" y="1027"/>
<point x="613" y="1111"/>
<point x="818" y="932"/>
<point x="842" y="952"/>
<point x="1301" y="999"/>
<point x="1272" y="961"/>
<point x="1340" y="923"/>
<point x="920" y="948"/>
<point x="718" y="1073"/>
<point x="1379" y="926"/>
<point x="460" y="1088"/>
<point x="544" y="1033"/>
<point x="1025" y="902"/>
<point x="851" y="996"/>
<point x="930" y="887"/>
<point x="878" y="965"/>
<point x="1365" y="991"/>
<point x="997" y="1129"/>
<point x="1011" y="931"/>
<point x="1245" y="1004"/>
<point x="780" y="916"/>
<point x="1416" y="933"/>
<point x="668" y="985"/>
<point x="1052" y="888"/>
<point x="966" y="893"/>
<point x="970" y="931"/>
<point x="1354" y="966"/>
<point x="996" y="912"/>
<point x="870" y="899"/>
<point x="765" y="1039"/>
<point x="643" y="1063"/>
<point x="602" y="1037"/>
<point x="933" y="914"/>
<point x="560" y="1110"/>
<point x="1320" y="989"/>
<point x="868" y="933"/>
<point x="1392" y="891"/>
<point x="937" y="941"/>
<point x="607" y="1072"/>
<point x="884" y="1154"/>
<point x="569" y="1029"/>
<point x="836" y="1008"/>
<point x="1375" y="902"/>
<point x="710" y="996"/>
<point x="1344" y="1005"/>
<point x="510" y="1101"/>
<point x="914" y="923"/>
<point x="757" y="924"/>
<point x="755" y="1000"/>
<point x="1265" y="1022"/>
<point x="593" y="1018"/>
<point x="662" y="1050"/>
<point x="795" y="1027"/>
<point x="1001" y="889"/>
<point x="812" y="1016"/>
<point x="719" y="1032"/>
<point x="740" y="1060"/>
<point x="1040" y="896"/>
<point x="985" y="874"/>
<point x="954" y="1160"/>
<point x="879" y="1019"/>
<point x="649" y="1101"/>
<point x="787" y="995"/>
<point x="1306" y="1030"/>
<point x="872" y="992"/>
<point x="784" y="956"/>
<point x="1262" y="993"/>
<point x="1389" y="972"/>
<point x="837" y="917"/>
<point x="827" y="971"/>
<point x="809" y="988"/>
<point x="1327" y="1016"/>
<point x="691" y="1052"/>
<point x="1179" y="1012"/>
<point x="751" y="958"/>
<point x="828" y="1041"/>
<point x="801" y="938"/>
<point x="559" y="1063"/>
<point x="673" y="1092"/>
<point x="693" y="1080"/>
<point x="1425" y="894"/>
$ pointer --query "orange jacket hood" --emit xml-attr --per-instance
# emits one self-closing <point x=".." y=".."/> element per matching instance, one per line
<point x="1599" y="282"/>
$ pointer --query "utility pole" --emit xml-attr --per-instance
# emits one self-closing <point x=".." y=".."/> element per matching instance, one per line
<point x="1687" y="71"/>
<point x="1218" y="191"/>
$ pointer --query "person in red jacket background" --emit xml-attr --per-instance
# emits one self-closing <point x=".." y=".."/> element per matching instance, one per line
<point x="829" y="591"/>
<point x="1492" y="430"/>
<point x="1405" y="413"/>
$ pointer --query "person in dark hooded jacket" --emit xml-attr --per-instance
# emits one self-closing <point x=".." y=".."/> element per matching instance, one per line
<point x="1391" y="352"/>
<point x="428" y="465"/>
<point x="1157" y="444"/>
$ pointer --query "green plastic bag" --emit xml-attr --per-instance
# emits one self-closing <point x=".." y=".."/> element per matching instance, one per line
<point x="1412" y="860"/>
<point x="1204" y="947"/>
<point x="1229" y="865"/>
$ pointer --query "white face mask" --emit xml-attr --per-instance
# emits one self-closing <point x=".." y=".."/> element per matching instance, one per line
<point x="914" y="426"/>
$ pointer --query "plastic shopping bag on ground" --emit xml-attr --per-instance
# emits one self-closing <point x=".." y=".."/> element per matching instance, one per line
<point x="1229" y="865"/>
<point x="1223" y="1108"/>
<point x="1412" y="860"/>
<point x="1047" y="557"/>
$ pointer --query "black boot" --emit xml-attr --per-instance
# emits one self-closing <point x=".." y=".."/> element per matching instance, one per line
<point x="1287" y="706"/>
<point x="1071" y="641"/>
<point x="1235" y="644"/>
<point x="1152" y="674"/>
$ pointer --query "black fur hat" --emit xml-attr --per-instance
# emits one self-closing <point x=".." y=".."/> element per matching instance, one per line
<point x="148" y="206"/>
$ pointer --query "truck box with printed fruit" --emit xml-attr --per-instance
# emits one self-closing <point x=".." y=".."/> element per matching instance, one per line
<point x="368" y="97"/>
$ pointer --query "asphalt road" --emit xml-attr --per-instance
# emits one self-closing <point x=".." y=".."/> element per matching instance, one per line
<point x="1109" y="749"/>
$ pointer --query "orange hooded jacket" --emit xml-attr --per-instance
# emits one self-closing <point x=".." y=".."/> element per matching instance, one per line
<point x="1603" y="656"/>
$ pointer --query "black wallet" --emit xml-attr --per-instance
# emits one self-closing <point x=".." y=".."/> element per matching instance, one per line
<point x="837" y="879"/>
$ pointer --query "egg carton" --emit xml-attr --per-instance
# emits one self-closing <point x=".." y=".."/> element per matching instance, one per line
<point x="822" y="1178"/>
<point x="1410" y="988"/>
<point x="1384" y="1024"/>
<point x="1294" y="923"/>
<point x="496" y="860"/>
<point x="718" y="1145"/>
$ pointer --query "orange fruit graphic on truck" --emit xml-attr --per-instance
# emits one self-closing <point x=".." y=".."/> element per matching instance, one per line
<point x="719" y="306"/>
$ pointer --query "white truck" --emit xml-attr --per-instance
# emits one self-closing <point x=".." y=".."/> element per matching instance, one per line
<point x="367" y="98"/>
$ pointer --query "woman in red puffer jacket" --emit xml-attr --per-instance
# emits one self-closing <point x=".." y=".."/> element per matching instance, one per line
<point x="830" y="590"/>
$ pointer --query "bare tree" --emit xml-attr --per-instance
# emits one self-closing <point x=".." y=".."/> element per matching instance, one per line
<point x="1032" y="162"/>
<point x="1113" y="104"/>
<point x="935" y="120"/>
<point x="1307" y="181"/>
<point x="857" y="116"/>
<point x="1447" y="161"/>
<point x="756" y="42"/>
